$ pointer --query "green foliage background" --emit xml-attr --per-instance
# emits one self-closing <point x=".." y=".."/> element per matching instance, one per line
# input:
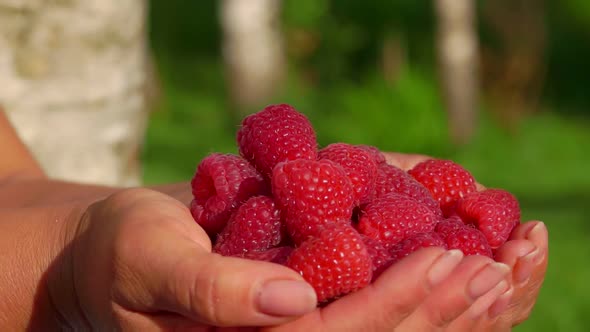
<point x="545" y="163"/>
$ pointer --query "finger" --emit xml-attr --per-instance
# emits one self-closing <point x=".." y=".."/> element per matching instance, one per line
<point x="140" y="207"/>
<point x="482" y="305"/>
<point x="403" y="160"/>
<point x="180" y="191"/>
<point x="527" y="252"/>
<point x="482" y="315"/>
<point x="161" y="267"/>
<point x="217" y="290"/>
<point x="527" y="292"/>
<point x="535" y="231"/>
<point x="528" y="271"/>
<point x="474" y="279"/>
<point x="136" y="321"/>
<point x="384" y="304"/>
<point x="164" y="322"/>
<point x="510" y="252"/>
<point x="532" y="236"/>
<point x="479" y="186"/>
<point x="501" y="304"/>
<point x="521" y="230"/>
<point x="540" y="237"/>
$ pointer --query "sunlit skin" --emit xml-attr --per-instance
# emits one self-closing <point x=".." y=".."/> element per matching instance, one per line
<point x="101" y="257"/>
<point x="526" y="252"/>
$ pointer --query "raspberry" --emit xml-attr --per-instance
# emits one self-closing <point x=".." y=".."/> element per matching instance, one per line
<point x="393" y="179"/>
<point x="377" y="155"/>
<point x="446" y="181"/>
<point x="221" y="183"/>
<point x="415" y="242"/>
<point x="359" y="165"/>
<point x="255" y="226"/>
<point x="277" y="133"/>
<point x="394" y="217"/>
<point x="277" y="255"/>
<point x="495" y="212"/>
<point x="380" y="255"/>
<point x="449" y="226"/>
<point x="310" y="194"/>
<point x="202" y="218"/>
<point x="470" y="241"/>
<point x="334" y="263"/>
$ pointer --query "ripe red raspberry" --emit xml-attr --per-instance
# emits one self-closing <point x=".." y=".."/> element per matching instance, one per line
<point x="415" y="242"/>
<point x="202" y="218"/>
<point x="470" y="241"/>
<point x="393" y="179"/>
<point x="310" y="194"/>
<point x="446" y="181"/>
<point x="277" y="255"/>
<point x="377" y="155"/>
<point x="394" y="217"/>
<point x="334" y="263"/>
<point x="495" y="212"/>
<point x="449" y="226"/>
<point x="380" y="255"/>
<point x="359" y="166"/>
<point x="221" y="183"/>
<point x="254" y="226"/>
<point x="277" y="133"/>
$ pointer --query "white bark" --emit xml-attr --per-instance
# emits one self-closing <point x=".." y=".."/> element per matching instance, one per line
<point x="72" y="80"/>
<point x="458" y="63"/>
<point x="253" y="50"/>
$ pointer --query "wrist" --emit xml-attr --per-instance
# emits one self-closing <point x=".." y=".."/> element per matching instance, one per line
<point x="33" y="241"/>
<point x="60" y="281"/>
<point x="18" y="191"/>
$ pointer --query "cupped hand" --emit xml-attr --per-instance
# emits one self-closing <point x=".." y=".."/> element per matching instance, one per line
<point x="526" y="253"/>
<point x="139" y="262"/>
<point x="426" y="291"/>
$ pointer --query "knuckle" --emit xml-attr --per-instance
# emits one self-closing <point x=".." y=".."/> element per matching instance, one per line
<point x="206" y="295"/>
<point x="129" y="197"/>
<point x="126" y="195"/>
<point x="442" y="318"/>
<point x="398" y="310"/>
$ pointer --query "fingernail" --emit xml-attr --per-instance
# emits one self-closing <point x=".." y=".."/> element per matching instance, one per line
<point x="443" y="266"/>
<point x="536" y="233"/>
<point x="525" y="266"/>
<point x="486" y="279"/>
<point x="537" y="229"/>
<point x="501" y="304"/>
<point x="286" y="298"/>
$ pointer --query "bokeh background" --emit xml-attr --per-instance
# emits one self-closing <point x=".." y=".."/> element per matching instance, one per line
<point x="500" y="86"/>
<point x="371" y="72"/>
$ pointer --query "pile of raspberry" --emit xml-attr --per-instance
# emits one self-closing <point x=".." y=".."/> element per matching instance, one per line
<point x="338" y="215"/>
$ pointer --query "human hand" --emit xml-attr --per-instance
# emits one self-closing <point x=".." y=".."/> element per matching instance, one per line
<point x="425" y="291"/>
<point x="505" y="305"/>
<point x="138" y="261"/>
<point x="526" y="252"/>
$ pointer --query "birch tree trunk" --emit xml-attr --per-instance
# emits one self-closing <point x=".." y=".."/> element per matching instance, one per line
<point x="515" y="71"/>
<point x="458" y="65"/>
<point x="253" y="50"/>
<point x="72" y="80"/>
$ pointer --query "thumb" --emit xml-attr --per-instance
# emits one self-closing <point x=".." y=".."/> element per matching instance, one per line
<point x="180" y="276"/>
<point x="229" y="291"/>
